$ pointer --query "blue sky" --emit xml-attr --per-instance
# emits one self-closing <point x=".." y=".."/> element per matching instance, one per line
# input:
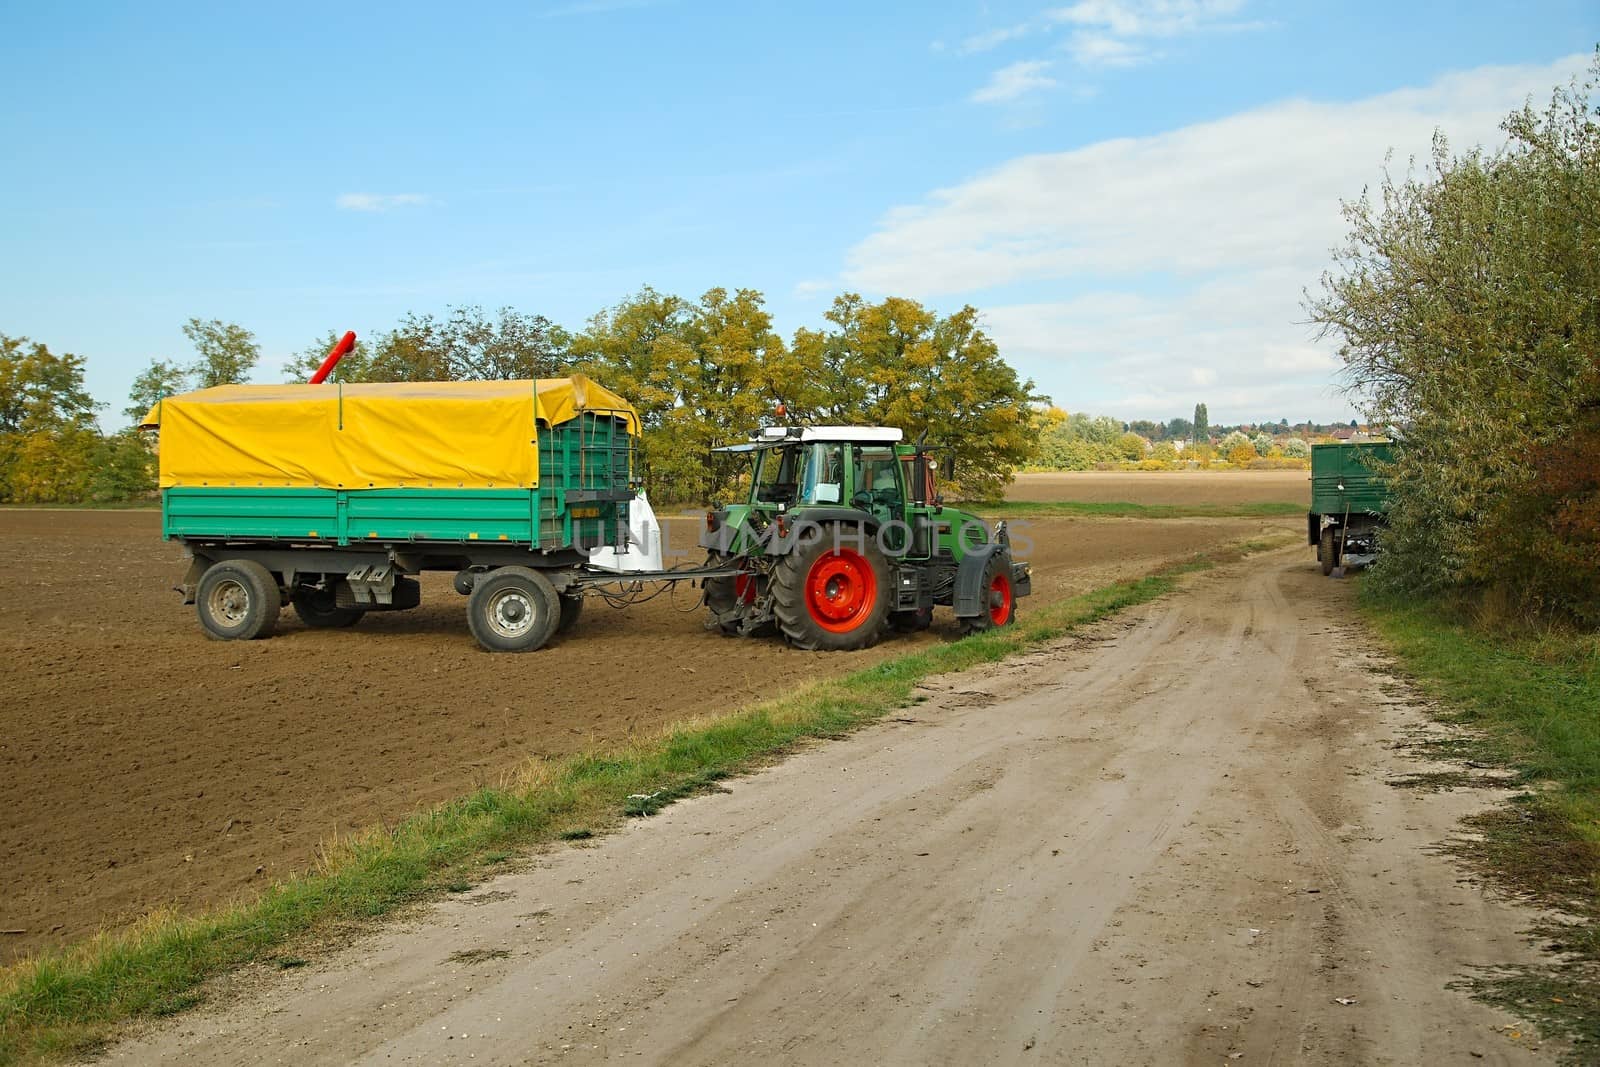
<point x="1133" y="191"/>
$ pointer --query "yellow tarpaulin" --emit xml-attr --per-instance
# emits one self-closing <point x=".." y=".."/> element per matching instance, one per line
<point x="447" y="435"/>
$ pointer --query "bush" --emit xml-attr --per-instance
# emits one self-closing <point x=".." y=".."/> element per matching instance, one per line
<point x="1464" y="303"/>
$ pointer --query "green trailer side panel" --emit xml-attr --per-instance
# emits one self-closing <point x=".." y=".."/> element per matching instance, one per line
<point x="343" y="516"/>
<point x="1364" y="492"/>
<point x="591" y="454"/>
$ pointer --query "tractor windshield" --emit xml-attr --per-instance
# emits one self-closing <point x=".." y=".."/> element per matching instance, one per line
<point x="799" y="474"/>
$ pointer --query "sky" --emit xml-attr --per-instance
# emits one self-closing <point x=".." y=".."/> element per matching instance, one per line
<point x="1134" y="193"/>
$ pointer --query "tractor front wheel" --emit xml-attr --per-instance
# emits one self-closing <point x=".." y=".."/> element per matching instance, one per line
<point x="999" y="598"/>
<point x="832" y="592"/>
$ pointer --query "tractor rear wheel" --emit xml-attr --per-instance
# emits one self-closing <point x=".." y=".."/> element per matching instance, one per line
<point x="513" y="609"/>
<point x="832" y="592"/>
<point x="999" y="598"/>
<point x="1328" y="551"/>
<point x="319" y="609"/>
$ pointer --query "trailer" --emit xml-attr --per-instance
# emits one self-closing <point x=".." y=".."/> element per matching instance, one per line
<point x="1349" y="502"/>
<point x="332" y="498"/>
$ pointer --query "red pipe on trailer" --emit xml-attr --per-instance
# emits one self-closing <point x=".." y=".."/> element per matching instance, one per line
<point x="338" y="352"/>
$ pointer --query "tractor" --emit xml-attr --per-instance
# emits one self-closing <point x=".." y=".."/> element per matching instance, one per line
<point x="843" y="537"/>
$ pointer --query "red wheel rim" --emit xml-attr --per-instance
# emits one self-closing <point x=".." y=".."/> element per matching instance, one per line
<point x="841" y="590"/>
<point x="1000" y="599"/>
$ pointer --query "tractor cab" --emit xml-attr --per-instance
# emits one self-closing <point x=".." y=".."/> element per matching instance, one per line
<point x="858" y="510"/>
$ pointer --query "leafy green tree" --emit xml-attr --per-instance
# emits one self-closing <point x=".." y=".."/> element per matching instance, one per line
<point x="1464" y="304"/>
<point x="896" y="363"/>
<point x="1130" y="446"/>
<point x="1262" y="442"/>
<point x="226" y="353"/>
<point x="1179" y="429"/>
<point x="159" y="379"/>
<point x="1202" y="424"/>
<point x="122" y="467"/>
<point x="40" y="390"/>
<point x="1296" y="448"/>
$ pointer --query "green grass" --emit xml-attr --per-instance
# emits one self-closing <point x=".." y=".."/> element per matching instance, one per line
<point x="70" y="1003"/>
<point x="1533" y="701"/>
<point x="1004" y="509"/>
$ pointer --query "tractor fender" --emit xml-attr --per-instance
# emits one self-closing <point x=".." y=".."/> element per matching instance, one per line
<point x="969" y="599"/>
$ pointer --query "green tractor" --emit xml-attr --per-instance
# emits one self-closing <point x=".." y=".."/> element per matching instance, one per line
<point x="843" y="537"/>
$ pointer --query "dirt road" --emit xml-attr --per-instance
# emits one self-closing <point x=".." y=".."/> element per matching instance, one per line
<point x="1172" y="839"/>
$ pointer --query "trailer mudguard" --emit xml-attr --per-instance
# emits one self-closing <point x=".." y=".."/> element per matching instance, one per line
<point x="969" y="598"/>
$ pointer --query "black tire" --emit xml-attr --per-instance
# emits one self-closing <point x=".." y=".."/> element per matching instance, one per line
<point x="999" y="600"/>
<point x="318" y="609"/>
<point x="1328" y="551"/>
<point x="513" y="609"/>
<point x="832" y="600"/>
<point x="238" y="600"/>
<point x="571" y="609"/>
<point x="910" y="622"/>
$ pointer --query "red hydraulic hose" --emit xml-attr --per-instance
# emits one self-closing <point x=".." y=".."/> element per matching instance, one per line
<point x="340" y="350"/>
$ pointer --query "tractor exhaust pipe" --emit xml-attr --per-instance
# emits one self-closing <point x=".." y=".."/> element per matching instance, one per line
<point x="338" y="352"/>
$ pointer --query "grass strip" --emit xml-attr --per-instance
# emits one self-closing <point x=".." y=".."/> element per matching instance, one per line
<point x="1004" y="509"/>
<point x="69" y="1003"/>
<point x="1532" y="700"/>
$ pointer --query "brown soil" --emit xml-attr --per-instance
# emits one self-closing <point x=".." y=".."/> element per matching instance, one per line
<point x="144" y="766"/>
<point x="1165" y="487"/>
<point x="1171" y="839"/>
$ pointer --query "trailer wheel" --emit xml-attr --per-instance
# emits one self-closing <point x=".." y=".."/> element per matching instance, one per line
<point x="571" y="609"/>
<point x="513" y="609"/>
<point x="1000" y="599"/>
<point x="238" y="600"/>
<point x="1328" y="550"/>
<point x="832" y="592"/>
<point x="319" y="609"/>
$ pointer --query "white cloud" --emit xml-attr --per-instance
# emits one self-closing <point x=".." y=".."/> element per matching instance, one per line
<point x="1014" y="82"/>
<point x="378" y="201"/>
<point x="1147" y="18"/>
<point x="1233" y="217"/>
<point x="1103" y="50"/>
<point x="991" y="39"/>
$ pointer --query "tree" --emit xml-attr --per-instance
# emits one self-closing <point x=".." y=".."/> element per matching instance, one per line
<point x="1463" y="301"/>
<point x="1179" y="429"/>
<point x="227" y="352"/>
<point x="40" y="390"/>
<point x="897" y="363"/>
<point x="1130" y="446"/>
<point x="1202" y="424"/>
<point x="159" y="379"/>
<point x="1296" y="448"/>
<point x="1262" y="442"/>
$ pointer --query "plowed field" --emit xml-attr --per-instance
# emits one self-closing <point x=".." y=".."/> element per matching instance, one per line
<point x="144" y="766"/>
